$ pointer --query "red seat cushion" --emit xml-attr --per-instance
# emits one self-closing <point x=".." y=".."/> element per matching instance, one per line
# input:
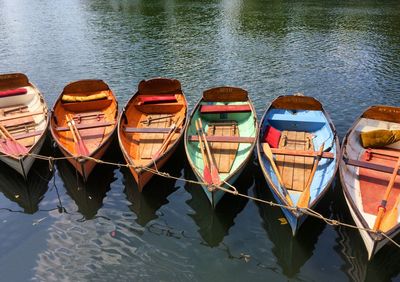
<point x="13" y="92"/>
<point x="157" y="99"/>
<point x="215" y="109"/>
<point x="272" y="136"/>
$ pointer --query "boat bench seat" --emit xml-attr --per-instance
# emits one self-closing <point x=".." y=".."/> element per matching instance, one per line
<point x="302" y="153"/>
<point x="13" y="92"/>
<point x="215" y="109"/>
<point x="371" y="166"/>
<point x="28" y="134"/>
<point x="156" y="99"/>
<point x="224" y="139"/>
<point x="86" y="126"/>
<point x="149" y="129"/>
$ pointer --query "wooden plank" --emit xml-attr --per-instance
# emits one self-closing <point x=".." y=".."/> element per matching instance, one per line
<point x="87" y="125"/>
<point x="150" y="143"/>
<point x="23" y="115"/>
<point x="224" y="153"/>
<point x="149" y="129"/>
<point x="225" y="94"/>
<point x="280" y="159"/>
<point x="304" y="153"/>
<point x="372" y="166"/>
<point x="308" y="161"/>
<point x="298" y="166"/>
<point x="224" y="139"/>
<point x="214" y="109"/>
<point x="287" y="174"/>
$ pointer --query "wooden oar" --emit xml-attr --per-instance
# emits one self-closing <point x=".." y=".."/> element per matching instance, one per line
<point x="150" y="119"/>
<point x="166" y="141"/>
<point x="305" y="195"/>
<point x="391" y="217"/>
<point x="79" y="145"/>
<point x="214" y="170"/>
<point x="268" y="152"/>
<point x="382" y="207"/>
<point x="206" y="170"/>
<point x="11" y="143"/>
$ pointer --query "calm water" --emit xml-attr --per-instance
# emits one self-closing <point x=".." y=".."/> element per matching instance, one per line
<point x="345" y="54"/>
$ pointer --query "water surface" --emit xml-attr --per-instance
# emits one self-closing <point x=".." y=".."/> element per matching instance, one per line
<point x="344" y="53"/>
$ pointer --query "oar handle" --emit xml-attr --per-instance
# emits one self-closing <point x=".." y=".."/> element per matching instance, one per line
<point x="71" y="128"/>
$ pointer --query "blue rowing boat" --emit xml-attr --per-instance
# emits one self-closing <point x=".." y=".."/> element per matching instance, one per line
<point x="297" y="149"/>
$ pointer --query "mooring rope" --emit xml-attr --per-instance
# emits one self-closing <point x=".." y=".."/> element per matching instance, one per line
<point x="232" y="190"/>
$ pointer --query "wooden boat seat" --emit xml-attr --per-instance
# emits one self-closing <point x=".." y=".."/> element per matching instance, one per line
<point x="18" y="122"/>
<point x="87" y="106"/>
<point x="372" y="166"/>
<point x="224" y="139"/>
<point x="295" y="168"/>
<point x="20" y="116"/>
<point x="27" y="135"/>
<point x="224" y="153"/>
<point x="304" y="153"/>
<point x="215" y="109"/>
<point x="148" y="129"/>
<point x="86" y="125"/>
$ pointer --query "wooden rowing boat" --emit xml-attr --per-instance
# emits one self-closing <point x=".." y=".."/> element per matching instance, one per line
<point x="365" y="175"/>
<point x="151" y="126"/>
<point x="227" y="116"/>
<point x="23" y="121"/>
<point x="297" y="150"/>
<point x="83" y="123"/>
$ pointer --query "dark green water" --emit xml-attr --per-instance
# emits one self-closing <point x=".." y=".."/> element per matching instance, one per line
<point x="345" y="53"/>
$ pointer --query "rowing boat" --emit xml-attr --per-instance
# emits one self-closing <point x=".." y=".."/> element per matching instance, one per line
<point x="23" y="121"/>
<point x="220" y="138"/>
<point x="297" y="149"/>
<point x="368" y="177"/>
<point x="151" y="126"/>
<point x="83" y="123"/>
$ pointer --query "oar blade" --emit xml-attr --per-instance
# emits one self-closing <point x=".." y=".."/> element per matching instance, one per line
<point x="207" y="175"/>
<point x="391" y="219"/>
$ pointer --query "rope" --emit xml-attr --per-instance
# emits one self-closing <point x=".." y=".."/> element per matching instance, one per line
<point x="232" y="190"/>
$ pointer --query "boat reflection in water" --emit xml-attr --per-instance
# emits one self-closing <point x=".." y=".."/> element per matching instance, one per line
<point x="383" y="267"/>
<point x="214" y="223"/>
<point x="87" y="196"/>
<point x="27" y="194"/>
<point x="145" y="204"/>
<point x="291" y="252"/>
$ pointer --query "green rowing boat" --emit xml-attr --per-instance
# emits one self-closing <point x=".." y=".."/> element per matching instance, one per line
<point x="220" y="138"/>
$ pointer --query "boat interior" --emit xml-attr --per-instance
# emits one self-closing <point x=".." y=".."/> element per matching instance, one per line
<point x="92" y="107"/>
<point x="23" y="112"/>
<point x="300" y="132"/>
<point x="230" y="126"/>
<point x="150" y="117"/>
<point x="368" y="171"/>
